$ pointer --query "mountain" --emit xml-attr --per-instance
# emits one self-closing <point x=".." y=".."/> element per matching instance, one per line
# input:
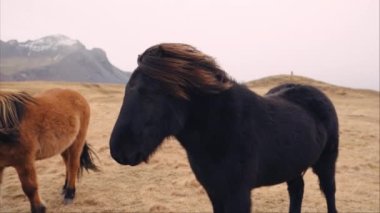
<point x="56" y="58"/>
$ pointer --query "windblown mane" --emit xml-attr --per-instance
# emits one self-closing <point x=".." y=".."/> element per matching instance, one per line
<point x="182" y="67"/>
<point x="12" y="107"/>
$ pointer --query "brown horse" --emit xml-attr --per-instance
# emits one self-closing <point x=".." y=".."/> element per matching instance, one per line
<point x="34" y="128"/>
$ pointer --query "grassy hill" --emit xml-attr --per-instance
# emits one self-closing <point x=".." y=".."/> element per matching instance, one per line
<point x="272" y="81"/>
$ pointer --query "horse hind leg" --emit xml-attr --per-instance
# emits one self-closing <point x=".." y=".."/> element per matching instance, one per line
<point x="73" y="154"/>
<point x="28" y="178"/>
<point x="74" y="157"/>
<point x="73" y="165"/>
<point x="295" y="190"/>
<point x="325" y="170"/>
<point x="65" y="157"/>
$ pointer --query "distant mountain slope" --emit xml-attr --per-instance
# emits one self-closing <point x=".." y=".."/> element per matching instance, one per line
<point x="56" y="58"/>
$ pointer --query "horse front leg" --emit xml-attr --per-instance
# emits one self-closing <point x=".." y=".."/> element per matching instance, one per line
<point x="230" y="201"/>
<point x="216" y="202"/>
<point x="238" y="201"/>
<point x="28" y="178"/>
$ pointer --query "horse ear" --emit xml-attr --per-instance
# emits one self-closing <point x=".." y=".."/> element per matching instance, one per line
<point x="139" y="59"/>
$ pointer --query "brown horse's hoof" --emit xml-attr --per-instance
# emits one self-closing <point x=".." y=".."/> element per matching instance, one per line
<point x="39" y="209"/>
<point x="69" y="196"/>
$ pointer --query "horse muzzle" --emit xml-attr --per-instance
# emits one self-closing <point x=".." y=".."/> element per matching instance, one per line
<point x="123" y="159"/>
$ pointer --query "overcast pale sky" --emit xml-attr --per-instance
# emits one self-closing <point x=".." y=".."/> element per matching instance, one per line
<point x="336" y="41"/>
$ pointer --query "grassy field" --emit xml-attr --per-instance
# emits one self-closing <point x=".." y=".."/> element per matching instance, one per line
<point x="167" y="184"/>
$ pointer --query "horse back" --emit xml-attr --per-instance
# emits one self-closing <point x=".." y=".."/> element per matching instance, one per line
<point x="64" y="96"/>
<point x="316" y="103"/>
<point x="59" y="102"/>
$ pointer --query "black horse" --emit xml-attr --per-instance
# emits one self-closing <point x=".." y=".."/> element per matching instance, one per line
<point x="235" y="139"/>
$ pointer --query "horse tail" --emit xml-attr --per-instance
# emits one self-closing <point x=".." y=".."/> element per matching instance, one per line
<point x="87" y="159"/>
<point x="317" y="104"/>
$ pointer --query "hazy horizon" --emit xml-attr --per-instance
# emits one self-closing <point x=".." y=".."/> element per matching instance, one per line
<point x="332" y="41"/>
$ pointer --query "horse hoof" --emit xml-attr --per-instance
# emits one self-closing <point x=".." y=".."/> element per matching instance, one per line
<point x="68" y="201"/>
<point x="69" y="194"/>
<point x="39" y="209"/>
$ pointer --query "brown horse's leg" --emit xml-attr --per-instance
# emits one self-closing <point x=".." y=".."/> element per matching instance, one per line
<point x="28" y="178"/>
<point x="74" y="153"/>
<point x="65" y="156"/>
<point x="73" y="167"/>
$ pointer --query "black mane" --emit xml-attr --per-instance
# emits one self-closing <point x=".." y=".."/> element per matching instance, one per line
<point x="182" y="67"/>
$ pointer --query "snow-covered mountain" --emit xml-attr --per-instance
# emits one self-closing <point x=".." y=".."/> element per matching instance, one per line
<point x="50" y="43"/>
<point x="56" y="58"/>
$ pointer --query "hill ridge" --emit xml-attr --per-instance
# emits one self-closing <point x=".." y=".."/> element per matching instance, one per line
<point x="274" y="80"/>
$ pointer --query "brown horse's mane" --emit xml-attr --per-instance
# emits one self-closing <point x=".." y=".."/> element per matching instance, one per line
<point x="182" y="67"/>
<point x="12" y="107"/>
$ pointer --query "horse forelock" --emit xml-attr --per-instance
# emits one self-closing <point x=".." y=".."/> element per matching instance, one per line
<point x="181" y="67"/>
<point x="12" y="106"/>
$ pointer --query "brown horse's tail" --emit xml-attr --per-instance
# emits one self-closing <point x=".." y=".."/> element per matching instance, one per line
<point x="87" y="159"/>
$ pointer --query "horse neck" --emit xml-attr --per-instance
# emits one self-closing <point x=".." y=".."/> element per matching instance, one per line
<point x="212" y="116"/>
<point x="228" y="102"/>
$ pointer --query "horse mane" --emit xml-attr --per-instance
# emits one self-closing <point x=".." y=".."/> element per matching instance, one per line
<point x="12" y="108"/>
<point x="181" y="67"/>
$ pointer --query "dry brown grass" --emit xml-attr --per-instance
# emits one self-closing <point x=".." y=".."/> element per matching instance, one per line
<point x="167" y="184"/>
